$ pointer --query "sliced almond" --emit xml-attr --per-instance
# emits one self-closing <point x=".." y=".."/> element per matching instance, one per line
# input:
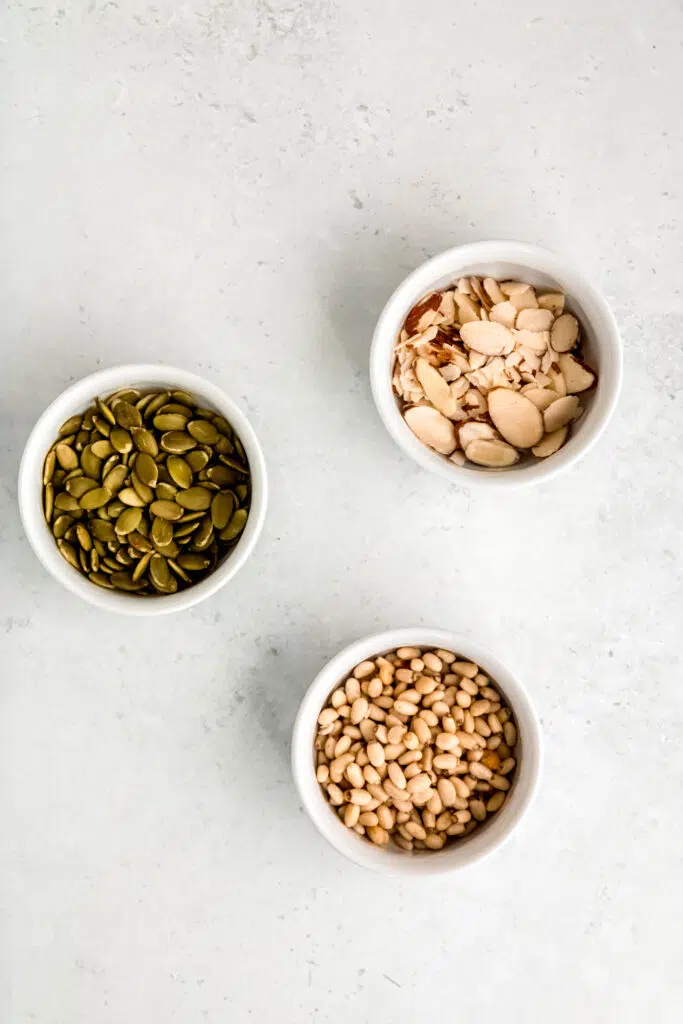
<point x="492" y="289"/>
<point x="447" y="307"/>
<point x="564" y="333"/>
<point x="537" y="341"/>
<point x="434" y="386"/>
<point x="522" y="296"/>
<point x="475" y="402"/>
<point x="476" y="286"/>
<point x="458" y="458"/>
<point x="576" y="374"/>
<point x="556" y="380"/>
<point x="503" y="313"/>
<point x="463" y="286"/>
<point x="559" y="413"/>
<point x="460" y="387"/>
<point x="554" y="301"/>
<point x="488" y="337"/>
<point x="450" y="372"/>
<point x="432" y="428"/>
<point x="534" y="320"/>
<point x="476" y="361"/>
<point x="492" y="454"/>
<point x="551" y="443"/>
<point x="475" y="430"/>
<point x="515" y="417"/>
<point x="541" y="397"/>
<point x="467" y="309"/>
<point x="513" y="287"/>
<point x="415" y="321"/>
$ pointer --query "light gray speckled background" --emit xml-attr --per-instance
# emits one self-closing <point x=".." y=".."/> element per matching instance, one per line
<point x="236" y="188"/>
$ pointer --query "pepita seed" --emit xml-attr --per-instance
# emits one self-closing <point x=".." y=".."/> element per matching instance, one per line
<point x="114" y="509"/>
<point x="140" y="542"/>
<point x="194" y="498"/>
<point x="166" y="492"/>
<point x="235" y="526"/>
<point x="197" y="460"/>
<point x="141" y="568"/>
<point x="66" y="456"/>
<point x="90" y="464"/>
<point x="94" y="559"/>
<point x="95" y="499"/>
<point x="128" y="521"/>
<point x="124" y="581"/>
<point x="103" y="425"/>
<point x="49" y="466"/>
<point x="170" y="421"/>
<point x="159" y="573"/>
<point x="144" y="440"/>
<point x="179" y="471"/>
<point x="126" y="395"/>
<point x="102" y="449"/>
<point x="121" y="440"/>
<point x="115" y="478"/>
<point x="147" y="470"/>
<point x="72" y="425"/>
<point x="102" y="530"/>
<point x="203" y="431"/>
<point x="142" y="490"/>
<point x="105" y="411"/>
<point x="68" y="551"/>
<point x="193" y="562"/>
<point x="129" y="496"/>
<point x="204" y="535"/>
<point x="166" y="510"/>
<point x="101" y="580"/>
<point x="178" y="570"/>
<point x="222" y="476"/>
<point x="126" y="415"/>
<point x="184" y="398"/>
<point x="66" y="502"/>
<point x="84" y="538"/>
<point x="61" y="525"/>
<point x="177" y="442"/>
<point x="162" y="532"/>
<point x="84" y="561"/>
<point x="222" y="509"/>
<point x="80" y="485"/>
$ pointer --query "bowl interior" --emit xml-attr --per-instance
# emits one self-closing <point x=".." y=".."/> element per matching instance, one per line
<point x="392" y="859"/>
<point x="75" y="400"/>
<point x="600" y="340"/>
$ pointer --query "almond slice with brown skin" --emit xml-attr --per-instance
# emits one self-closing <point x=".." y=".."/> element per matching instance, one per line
<point x="576" y="374"/>
<point x="534" y="320"/>
<point x="503" y="313"/>
<point x="492" y="454"/>
<point x="560" y="413"/>
<point x="551" y="443"/>
<point x="434" y="386"/>
<point x="515" y="417"/>
<point x="430" y="427"/>
<point x="541" y="397"/>
<point x="488" y="337"/>
<point x="554" y="301"/>
<point x="475" y="430"/>
<point x="564" y="333"/>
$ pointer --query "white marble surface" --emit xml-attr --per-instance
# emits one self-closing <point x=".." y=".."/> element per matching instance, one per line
<point x="235" y="188"/>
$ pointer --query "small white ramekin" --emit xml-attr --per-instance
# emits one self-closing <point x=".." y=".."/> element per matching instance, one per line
<point x="77" y="398"/>
<point x="503" y="261"/>
<point x="390" y="859"/>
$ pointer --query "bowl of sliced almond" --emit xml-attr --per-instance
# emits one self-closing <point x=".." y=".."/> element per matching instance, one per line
<point x="496" y="363"/>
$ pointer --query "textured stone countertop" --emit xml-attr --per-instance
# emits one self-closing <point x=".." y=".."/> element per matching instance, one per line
<point x="235" y="188"/>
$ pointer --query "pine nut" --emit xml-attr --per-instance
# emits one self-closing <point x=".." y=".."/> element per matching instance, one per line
<point x="445" y="762"/>
<point x="335" y="794"/>
<point x="461" y="787"/>
<point x="404" y="707"/>
<point x="432" y="661"/>
<point x="377" y="792"/>
<point x="342" y="745"/>
<point x="507" y="766"/>
<point x="393" y="791"/>
<point x="385" y="817"/>
<point x="418" y="782"/>
<point x="434" y="841"/>
<point x="354" y="773"/>
<point x="404" y="843"/>
<point x="446" y="656"/>
<point x="396" y="775"/>
<point x="499" y="782"/>
<point x="338" y="698"/>
<point x="351" y="815"/>
<point x="358" y="796"/>
<point x="367" y="817"/>
<point x="362" y="758"/>
<point x="446" y="741"/>
<point x="411" y="695"/>
<point x="408" y="653"/>
<point x="375" y="713"/>
<point x="480" y="771"/>
<point x="376" y="754"/>
<point x="323" y="773"/>
<point x="359" y="710"/>
<point x="412" y="828"/>
<point x="482" y="727"/>
<point x="466" y="740"/>
<point x="426" y="685"/>
<point x="510" y="733"/>
<point x="421" y="729"/>
<point x="353" y="731"/>
<point x="462" y="817"/>
<point x="428" y="716"/>
<point x="432" y="698"/>
<point x="417" y="664"/>
<point x="374" y="688"/>
<point x="368" y="730"/>
<point x="371" y="775"/>
<point x="444" y="820"/>
<point x="446" y="791"/>
<point x="352" y="687"/>
<point x="495" y="803"/>
<point x="413" y="769"/>
<point x="404" y="675"/>
<point x="397" y="734"/>
<point x="410" y="757"/>
<point x="469" y="687"/>
<point x="435" y="805"/>
<point x="378" y="835"/>
<point x="327" y="716"/>
<point x="365" y="669"/>
<point x="448" y="725"/>
<point x="393" y="750"/>
<point x="338" y="766"/>
<point x="455" y="829"/>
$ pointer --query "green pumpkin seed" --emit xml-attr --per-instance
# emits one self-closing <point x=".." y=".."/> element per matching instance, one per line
<point x="102" y="530"/>
<point x="128" y="521"/>
<point x="162" y="532"/>
<point x="115" y="478"/>
<point x="185" y="530"/>
<point x="183" y="398"/>
<point x="84" y="560"/>
<point x="121" y="440"/>
<point x="178" y="570"/>
<point x="179" y="470"/>
<point x="102" y="425"/>
<point x="242" y="492"/>
<point x="66" y="456"/>
<point x="84" y="538"/>
<point x="129" y="496"/>
<point x="166" y="510"/>
<point x="141" y="568"/>
<point x="222" y="508"/>
<point x="147" y="470"/>
<point x="123" y="558"/>
<point x="228" y="460"/>
<point x="222" y="476"/>
<point x="144" y="440"/>
<point x="193" y="562"/>
<point x="176" y="409"/>
<point x="195" y="498"/>
<point x="90" y="464"/>
<point x="124" y="581"/>
<point x="68" y="551"/>
<point x="82" y="438"/>
<point x="224" y="446"/>
<point x="142" y="403"/>
<point x="160" y="574"/>
<point x="80" y="485"/>
<point x="139" y="542"/>
<point x="189" y="517"/>
<point x="222" y="424"/>
<point x="142" y="490"/>
<point x="197" y="460"/>
<point x="49" y="466"/>
<point x="203" y="431"/>
<point x="61" y="525"/>
<point x="156" y="404"/>
<point x="168" y="550"/>
<point x="235" y="526"/>
<point x="105" y="411"/>
<point x="66" y="502"/>
<point x="125" y="395"/>
<point x="166" y="492"/>
<point x="169" y="421"/>
<point x="102" y="449"/>
<point x="115" y="508"/>
<point x="204" y="535"/>
<point x="101" y="580"/>
<point x="177" y="442"/>
<point x="126" y="415"/>
<point x="72" y="425"/>
<point x="95" y="499"/>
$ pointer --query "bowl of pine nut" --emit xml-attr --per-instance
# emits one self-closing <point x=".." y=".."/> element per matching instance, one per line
<point x="416" y="752"/>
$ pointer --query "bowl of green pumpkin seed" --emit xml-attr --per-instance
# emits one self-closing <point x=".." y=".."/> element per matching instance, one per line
<point x="143" y="489"/>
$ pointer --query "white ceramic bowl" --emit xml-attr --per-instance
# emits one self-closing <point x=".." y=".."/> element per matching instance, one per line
<point x="503" y="260"/>
<point x="77" y="398"/>
<point x="390" y="859"/>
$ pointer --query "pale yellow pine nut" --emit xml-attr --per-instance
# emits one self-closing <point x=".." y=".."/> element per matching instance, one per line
<point x="417" y="664"/>
<point x="351" y="815"/>
<point x="499" y="782"/>
<point x="374" y="688"/>
<point x="352" y="688"/>
<point x="446" y="656"/>
<point x="342" y="745"/>
<point x="435" y="805"/>
<point x="428" y="819"/>
<point x="495" y="803"/>
<point x="354" y="773"/>
<point x="411" y="770"/>
<point x="327" y="716"/>
<point x="409" y="757"/>
<point x="378" y="835"/>
<point x="461" y="787"/>
<point x="432" y="661"/>
<point x="434" y="841"/>
<point x="507" y="766"/>
<point x="463" y="699"/>
<point x="478" y="809"/>
<point x="368" y="818"/>
<point x="375" y="713"/>
<point x="408" y="653"/>
<point x="445" y="762"/>
<point x="412" y="829"/>
<point x="480" y="771"/>
<point x="323" y="773"/>
<point x="510" y="733"/>
<point x="365" y="669"/>
<point x="405" y="844"/>
<point x="465" y="668"/>
<point x="335" y="794"/>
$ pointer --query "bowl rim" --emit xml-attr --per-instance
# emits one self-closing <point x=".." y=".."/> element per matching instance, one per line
<point x="424" y="277"/>
<point x="396" y="862"/>
<point x="76" y="396"/>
